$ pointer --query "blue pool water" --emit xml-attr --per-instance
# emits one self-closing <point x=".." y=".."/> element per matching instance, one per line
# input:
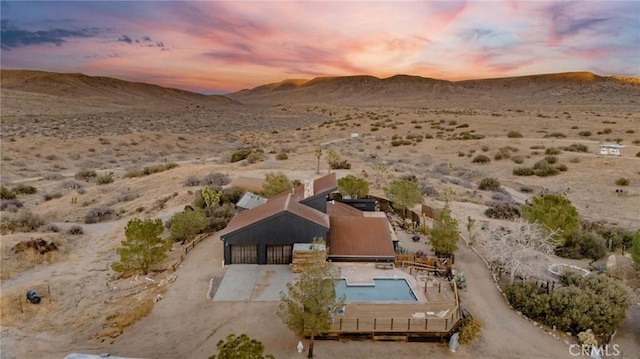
<point x="383" y="290"/>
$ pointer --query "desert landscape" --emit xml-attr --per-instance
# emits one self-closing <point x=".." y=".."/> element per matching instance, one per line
<point x="100" y="151"/>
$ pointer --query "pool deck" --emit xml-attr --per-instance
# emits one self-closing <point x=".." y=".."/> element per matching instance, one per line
<point x="436" y="314"/>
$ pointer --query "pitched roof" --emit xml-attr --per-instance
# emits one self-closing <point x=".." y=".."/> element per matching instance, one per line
<point x="338" y="209"/>
<point x="273" y="207"/>
<point x="360" y="237"/>
<point x="326" y="183"/>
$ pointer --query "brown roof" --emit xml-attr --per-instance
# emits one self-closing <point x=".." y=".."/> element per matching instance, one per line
<point x="272" y="207"/>
<point x="325" y="184"/>
<point x="338" y="209"/>
<point x="360" y="237"/>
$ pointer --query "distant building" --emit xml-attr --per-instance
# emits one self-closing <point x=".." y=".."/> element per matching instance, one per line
<point x="611" y="149"/>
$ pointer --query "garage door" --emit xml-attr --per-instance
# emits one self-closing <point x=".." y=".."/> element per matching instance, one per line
<point x="280" y="254"/>
<point x="244" y="254"/>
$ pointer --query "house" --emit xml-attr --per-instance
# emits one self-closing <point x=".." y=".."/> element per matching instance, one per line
<point x="611" y="149"/>
<point x="266" y="233"/>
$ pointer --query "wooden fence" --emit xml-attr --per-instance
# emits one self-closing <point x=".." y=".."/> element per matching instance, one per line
<point x="188" y="248"/>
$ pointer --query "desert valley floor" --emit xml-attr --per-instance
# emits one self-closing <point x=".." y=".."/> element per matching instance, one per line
<point x="55" y="125"/>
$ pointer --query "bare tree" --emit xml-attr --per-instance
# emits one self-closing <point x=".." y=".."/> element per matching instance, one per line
<point x="521" y="248"/>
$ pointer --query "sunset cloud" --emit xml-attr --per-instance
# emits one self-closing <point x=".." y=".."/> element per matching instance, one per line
<point x="226" y="46"/>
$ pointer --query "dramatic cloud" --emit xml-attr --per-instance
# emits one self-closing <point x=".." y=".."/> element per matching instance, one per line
<point x="200" y="45"/>
<point x="12" y="37"/>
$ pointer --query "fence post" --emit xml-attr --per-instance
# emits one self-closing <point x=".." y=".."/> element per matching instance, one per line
<point x="375" y="323"/>
<point x="391" y="323"/>
<point x="425" y="324"/>
<point x="409" y="324"/>
<point x="358" y="323"/>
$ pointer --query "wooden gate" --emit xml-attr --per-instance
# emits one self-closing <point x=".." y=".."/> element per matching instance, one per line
<point x="279" y="254"/>
<point x="244" y="254"/>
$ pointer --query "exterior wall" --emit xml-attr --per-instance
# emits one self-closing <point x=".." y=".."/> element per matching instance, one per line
<point x="363" y="204"/>
<point x="284" y="228"/>
<point x="318" y="202"/>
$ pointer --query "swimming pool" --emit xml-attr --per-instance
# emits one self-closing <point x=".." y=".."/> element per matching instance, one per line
<point x="382" y="290"/>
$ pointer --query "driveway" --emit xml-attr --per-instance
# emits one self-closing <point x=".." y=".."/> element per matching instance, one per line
<point x="252" y="282"/>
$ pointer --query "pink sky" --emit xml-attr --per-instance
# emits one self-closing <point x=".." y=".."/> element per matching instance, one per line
<point x="227" y="46"/>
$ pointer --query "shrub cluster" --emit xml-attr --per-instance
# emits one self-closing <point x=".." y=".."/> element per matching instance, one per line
<point x="583" y="245"/>
<point x="24" y="189"/>
<point x="576" y="147"/>
<point x="622" y="181"/>
<point x="514" y="134"/>
<point x="468" y="331"/>
<point x="503" y="211"/>
<point x="150" y="170"/>
<point x="489" y="184"/>
<point x="6" y="193"/>
<point x="98" y="214"/>
<point x="23" y="221"/>
<point x="593" y="302"/>
<point x="105" y="178"/>
<point x="85" y="175"/>
<point x="10" y="205"/>
<point x="523" y="171"/>
<point x="75" y="230"/>
<point x="481" y="159"/>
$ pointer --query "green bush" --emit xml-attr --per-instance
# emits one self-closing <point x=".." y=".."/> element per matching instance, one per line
<point x="583" y="245"/>
<point x="552" y="151"/>
<point x="255" y="156"/>
<point x="546" y="170"/>
<point x="23" y="221"/>
<point x="282" y="156"/>
<point x="468" y="331"/>
<point x="489" y="184"/>
<point x="523" y="171"/>
<point x="514" y="134"/>
<point x="584" y="133"/>
<point x="622" y="181"/>
<point x="481" y="159"/>
<point x="562" y="167"/>
<point x="594" y="302"/>
<point x="517" y="159"/>
<point x="24" y="189"/>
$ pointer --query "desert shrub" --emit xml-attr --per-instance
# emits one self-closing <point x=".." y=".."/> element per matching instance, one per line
<point x="85" y="175"/>
<point x="584" y="133"/>
<point x="537" y="147"/>
<point x="75" y="230"/>
<point x="607" y="131"/>
<point x="575" y="160"/>
<point x="24" y="189"/>
<point x="49" y="228"/>
<point x="125" y="196"/>
<point x="622" y="181"/>
<point x="105" y="178"/>
<point x="71" y="184"/>
<point x="6" y="193"/>
<point x="638" y="154"/>
<point x="215" y="179"/>
<point x="344" y="164"/>
<point x="594" y="302"/>
<point x="231" y="195"/>
<point x="576" y="147"/>
<point x="489" y="184"/>
<point x="514" y="134"/>
<point x="149" y="170"/>
<point x="23" y="221"/>
<point x="552" y="151"/>
<point x="52" y="195"/>
<point x="562" y="167"/>
<point x="255" y="156"/>
<point x="523" y="171"/>
<point x="240" y="155"/>
<point x="555" y="135"/>
<point x="550" y="160"/>
<point x="583" y="245"/>
<point x="484" y="148"/>
<point x="481" y="159"/>
<point x="98" y="214"/>
<point x="468" y="330"/>
<point x="503" y="211"/>
<point x="517" y="159"/>
<point x="501" y="197"/>
<point x="191" y="181"/>
<point x="10" y="205"/>
<point x="546" y="170"/>
<point x="396" y="142"/>
<point x="616" y="237"/>
<point x="282" y="156"/>
<point x="526" y="189"/>
<point x="187" y="224"/>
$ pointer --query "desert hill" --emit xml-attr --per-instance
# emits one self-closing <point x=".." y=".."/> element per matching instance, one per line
<point x="415" y="90"/>
<point x="78" y="90"/>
